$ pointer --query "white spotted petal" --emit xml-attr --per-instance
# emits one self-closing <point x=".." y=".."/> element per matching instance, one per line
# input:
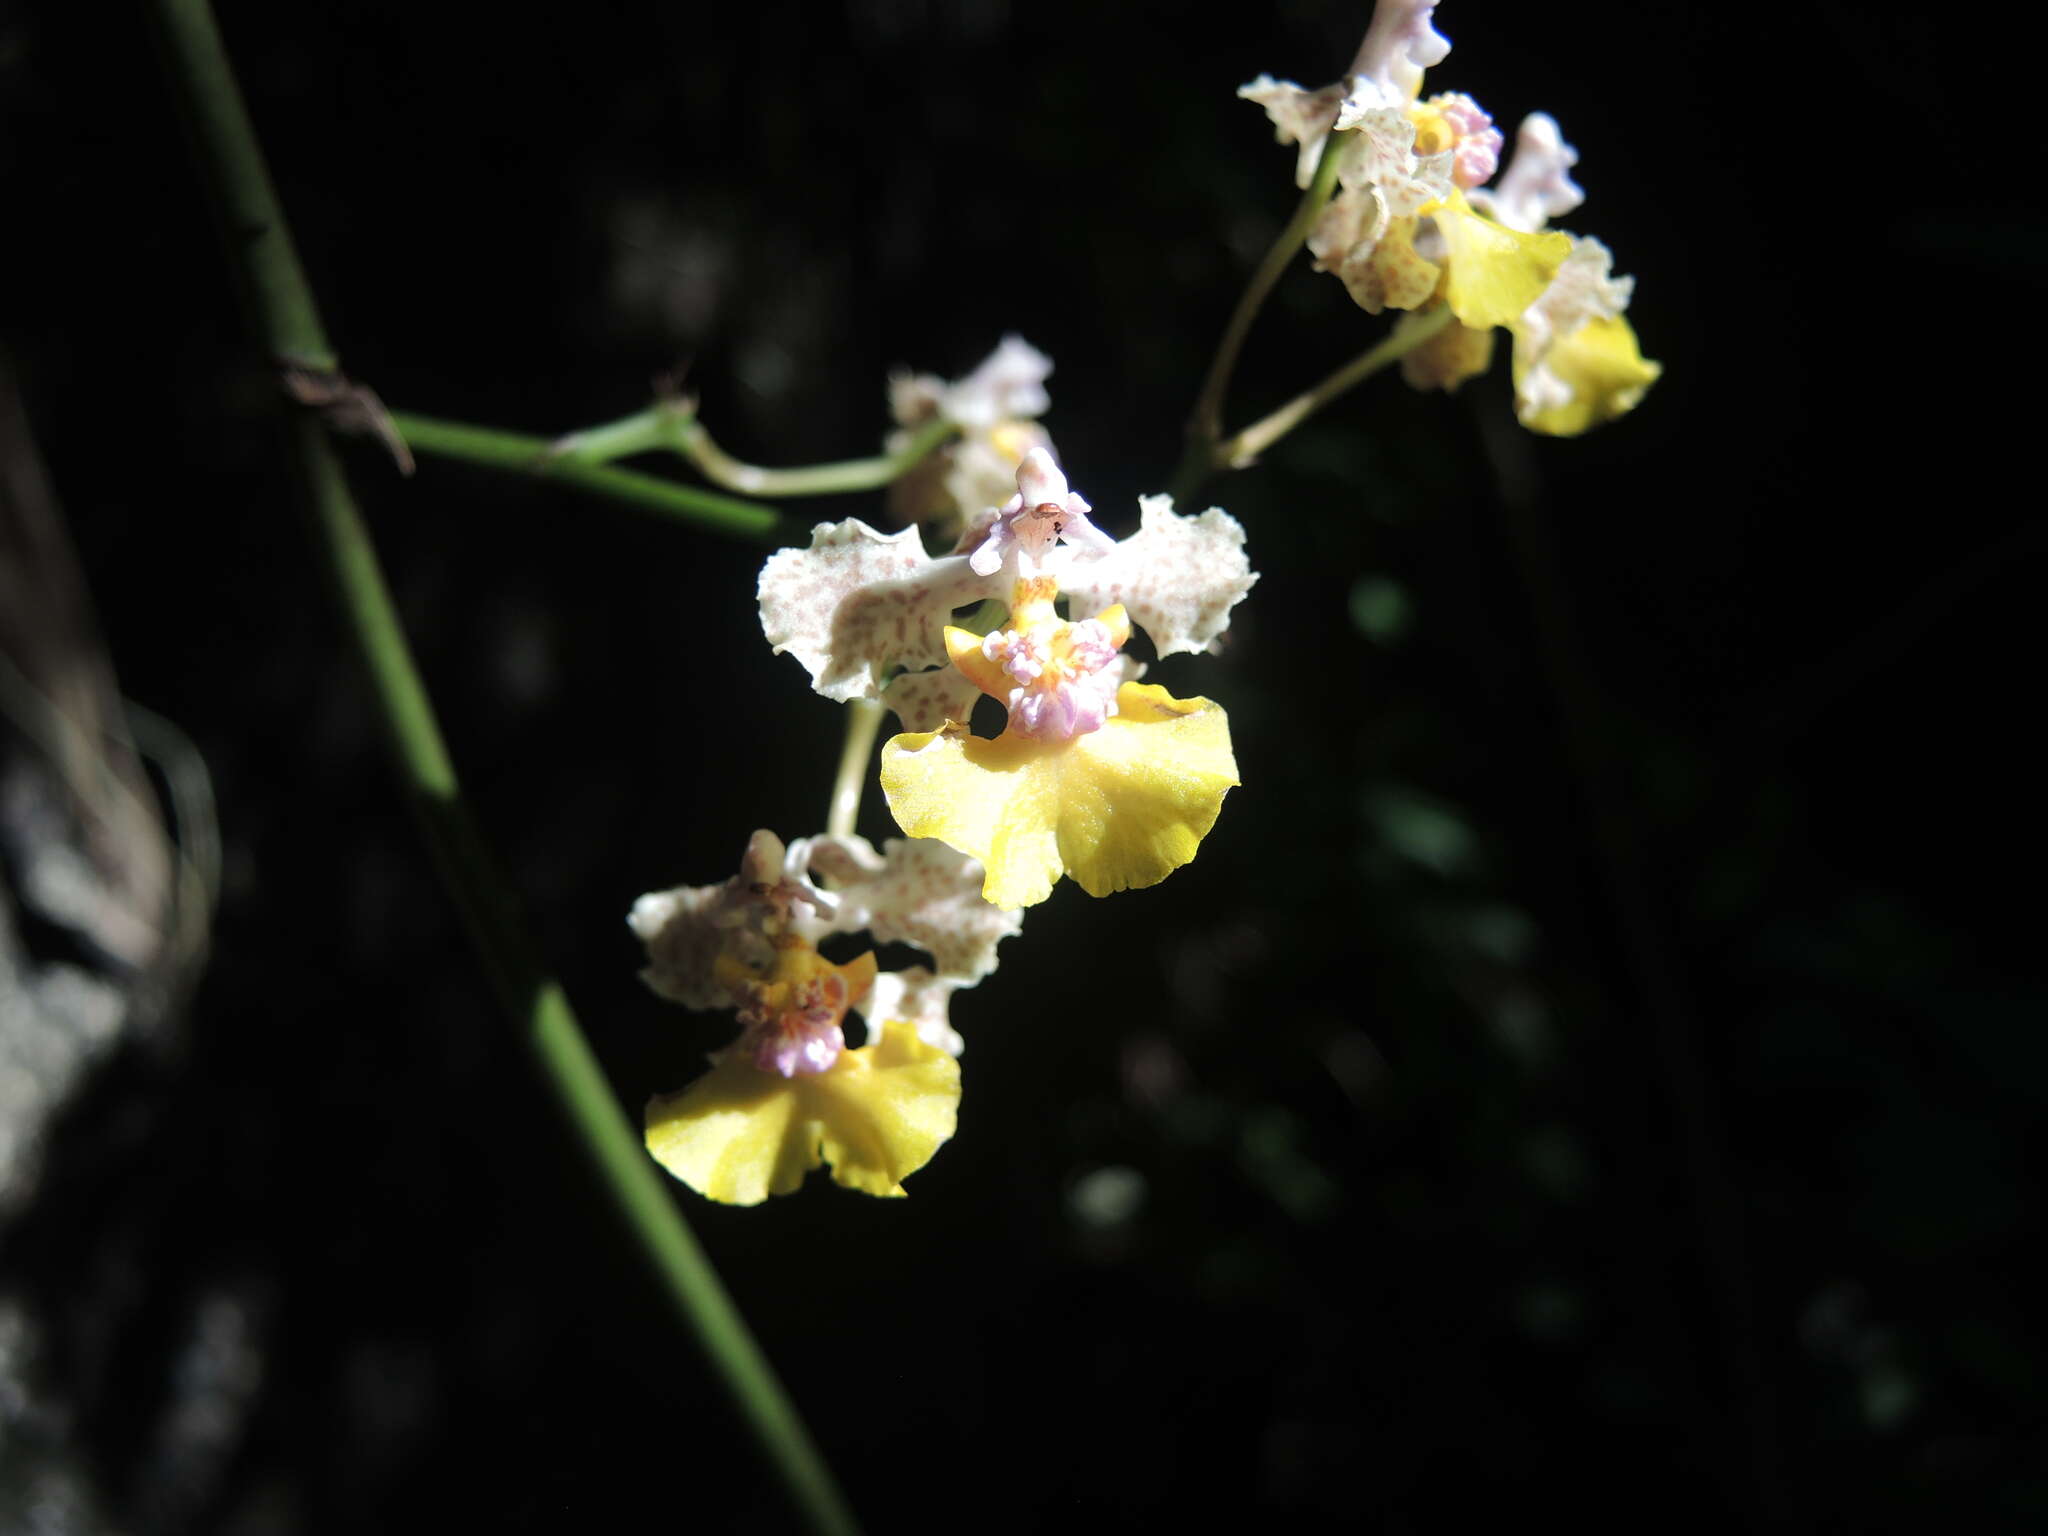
<point x="1400" y="43"/>
<point x="1178" y="576"/>
<point x="1537" y="186"/>
<point x="1009" y="383"/>
<point x="918" y="998"/>
<point x="1584" y="291"/>
<point x="1382" y="181"/>
<point x="687" y="930"/>
<point x="684" y="938"/>
<point x="925" y="701"/>
<point x="1299" y="116"/>
<point x="856" y="602"/>
<point x="704" y="943"/>
<point x="1006" y="385"/>
<point x="995" y="408"/>
<point x="1386" y="165"/>
<point x="981" y="467"/>
<point x="920" y="892"/>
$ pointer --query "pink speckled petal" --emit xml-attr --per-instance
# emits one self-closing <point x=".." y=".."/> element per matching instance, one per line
<point x="858" y="601"/>
<point x="1178" y="576"/>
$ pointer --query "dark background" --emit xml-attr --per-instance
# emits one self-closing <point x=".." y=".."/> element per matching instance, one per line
<point x="1595" y="1066"/>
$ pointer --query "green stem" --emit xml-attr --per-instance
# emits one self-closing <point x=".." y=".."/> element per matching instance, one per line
<point x="642" y="432"/>
<point x="695" y="444"/>
<point x="535" y="1001"/>
<point x="863" y="724"/>
<point x="1205" y="423"/>
<point x="288" y="319"/>
<point x="522" y="454"/>
<point x="1241" y="450"/>
<point x="674" y="426"/>
<point x="266" y="262"/>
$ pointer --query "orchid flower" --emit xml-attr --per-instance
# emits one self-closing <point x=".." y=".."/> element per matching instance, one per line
<point x="1413" y="223"/>
<point x="788" y="1093"/>
<point x="866" y="613"/>
<point x="1112" y="782"/>
<point x="996" y="407"/>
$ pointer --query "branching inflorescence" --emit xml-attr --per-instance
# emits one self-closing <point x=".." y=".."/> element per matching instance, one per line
<point x="1095" y="776"/>
<point x="1414" y="225"/>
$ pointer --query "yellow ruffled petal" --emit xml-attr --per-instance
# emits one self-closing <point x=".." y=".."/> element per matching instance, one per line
<point x="885" y="1109"/>
<point x="1603" y="367"/>
<point x="739" y="1134"/>
<point x="1493" y="273"/>
<point x="736" y="1134"/>
<point x="1117" y="808"/>
<point x="978" y="795"/>
<point x="1144" y="790"/>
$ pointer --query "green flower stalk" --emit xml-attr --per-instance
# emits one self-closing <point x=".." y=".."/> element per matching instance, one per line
<point x="288" y="322"/>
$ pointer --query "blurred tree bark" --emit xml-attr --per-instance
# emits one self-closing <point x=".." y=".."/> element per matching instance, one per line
<point x="87" y="894"/>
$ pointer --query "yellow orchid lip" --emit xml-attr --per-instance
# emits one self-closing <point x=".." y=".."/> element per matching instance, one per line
<point x="738" y="1135"/>
<point x="1603" y="375"/>
<point x="1117" y="808"/>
